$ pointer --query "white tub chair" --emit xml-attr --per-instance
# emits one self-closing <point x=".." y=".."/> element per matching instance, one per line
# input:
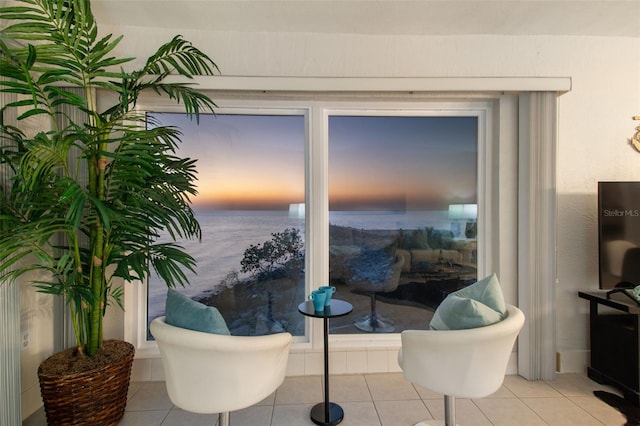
<point x="212" y="373"/>
<point x="468" y="363"/>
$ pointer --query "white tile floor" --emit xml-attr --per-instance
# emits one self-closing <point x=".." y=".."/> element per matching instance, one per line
<point x="389" y="400"/>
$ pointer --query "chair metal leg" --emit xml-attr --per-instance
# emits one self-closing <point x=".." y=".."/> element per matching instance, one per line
<point x="373" y="323"/>
<point x="449" y="410"/>
<point x="223" y="419"/>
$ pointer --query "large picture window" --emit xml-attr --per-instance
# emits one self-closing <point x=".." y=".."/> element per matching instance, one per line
<point x="510" y="120"/>
<point x="396" y="189"/>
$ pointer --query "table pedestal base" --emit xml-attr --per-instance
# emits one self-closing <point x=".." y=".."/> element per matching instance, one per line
<point x="335" y="414"/>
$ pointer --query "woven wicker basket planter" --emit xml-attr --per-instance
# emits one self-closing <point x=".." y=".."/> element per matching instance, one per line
<point x="96" y="397"/>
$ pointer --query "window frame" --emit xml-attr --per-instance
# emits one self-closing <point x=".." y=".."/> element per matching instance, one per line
<point x="317" y="115"/>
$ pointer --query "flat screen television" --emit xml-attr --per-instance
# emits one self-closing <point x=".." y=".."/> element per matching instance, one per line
<point x="619" y="234"/>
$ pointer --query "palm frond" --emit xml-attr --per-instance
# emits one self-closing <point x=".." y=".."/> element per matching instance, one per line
<point x="180" y="56"/>
<point x="137" y="187"/>
<point x="177" y="56"/>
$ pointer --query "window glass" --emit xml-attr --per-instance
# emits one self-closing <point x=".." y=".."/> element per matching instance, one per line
<point x="250" y="205"/>
<point x="402" y="216"/>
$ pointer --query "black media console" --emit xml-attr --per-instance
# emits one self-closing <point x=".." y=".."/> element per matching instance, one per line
<point x="615" y="342"/>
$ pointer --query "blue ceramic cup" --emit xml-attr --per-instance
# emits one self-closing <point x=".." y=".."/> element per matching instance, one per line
<point x="318" y="297"/>
<point x="329" y="290"/>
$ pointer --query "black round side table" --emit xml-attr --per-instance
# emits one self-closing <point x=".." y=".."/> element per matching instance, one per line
<point x="326" y="413"/>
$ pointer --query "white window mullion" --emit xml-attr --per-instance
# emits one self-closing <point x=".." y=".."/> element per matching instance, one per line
<point x="317" y="204"/>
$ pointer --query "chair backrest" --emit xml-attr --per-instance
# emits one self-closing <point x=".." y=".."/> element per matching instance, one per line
<point x="467" y="363"/>
<point x="389" y="284"/>
<point x="212" y="373"/>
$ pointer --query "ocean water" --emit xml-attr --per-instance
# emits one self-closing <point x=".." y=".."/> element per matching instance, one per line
<point x="226" y="234"/>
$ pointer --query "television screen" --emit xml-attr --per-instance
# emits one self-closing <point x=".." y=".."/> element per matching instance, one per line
<point x="619" y="234"/>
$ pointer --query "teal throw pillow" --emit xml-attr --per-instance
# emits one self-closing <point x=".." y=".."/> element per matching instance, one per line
<point x="487" y="291"/>
<point x="477" y="305"/>
<point x="183" y="312"/>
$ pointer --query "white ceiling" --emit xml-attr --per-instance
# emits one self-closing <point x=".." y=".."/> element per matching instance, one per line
<point x="384" y="17"/>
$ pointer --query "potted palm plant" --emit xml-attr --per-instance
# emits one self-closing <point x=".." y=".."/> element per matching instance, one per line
<point x="93" y="187"/>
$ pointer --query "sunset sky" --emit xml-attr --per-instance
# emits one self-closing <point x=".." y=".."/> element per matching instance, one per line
<point x="375" y="163"/>
<point x="402" y="163"/>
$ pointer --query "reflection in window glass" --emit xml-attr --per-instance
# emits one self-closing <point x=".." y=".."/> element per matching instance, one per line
<point x="250" y="205"/>
<point x="403" y="214"/>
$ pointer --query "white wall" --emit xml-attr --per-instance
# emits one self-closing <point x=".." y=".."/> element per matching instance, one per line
<point x="594" y="120"/>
